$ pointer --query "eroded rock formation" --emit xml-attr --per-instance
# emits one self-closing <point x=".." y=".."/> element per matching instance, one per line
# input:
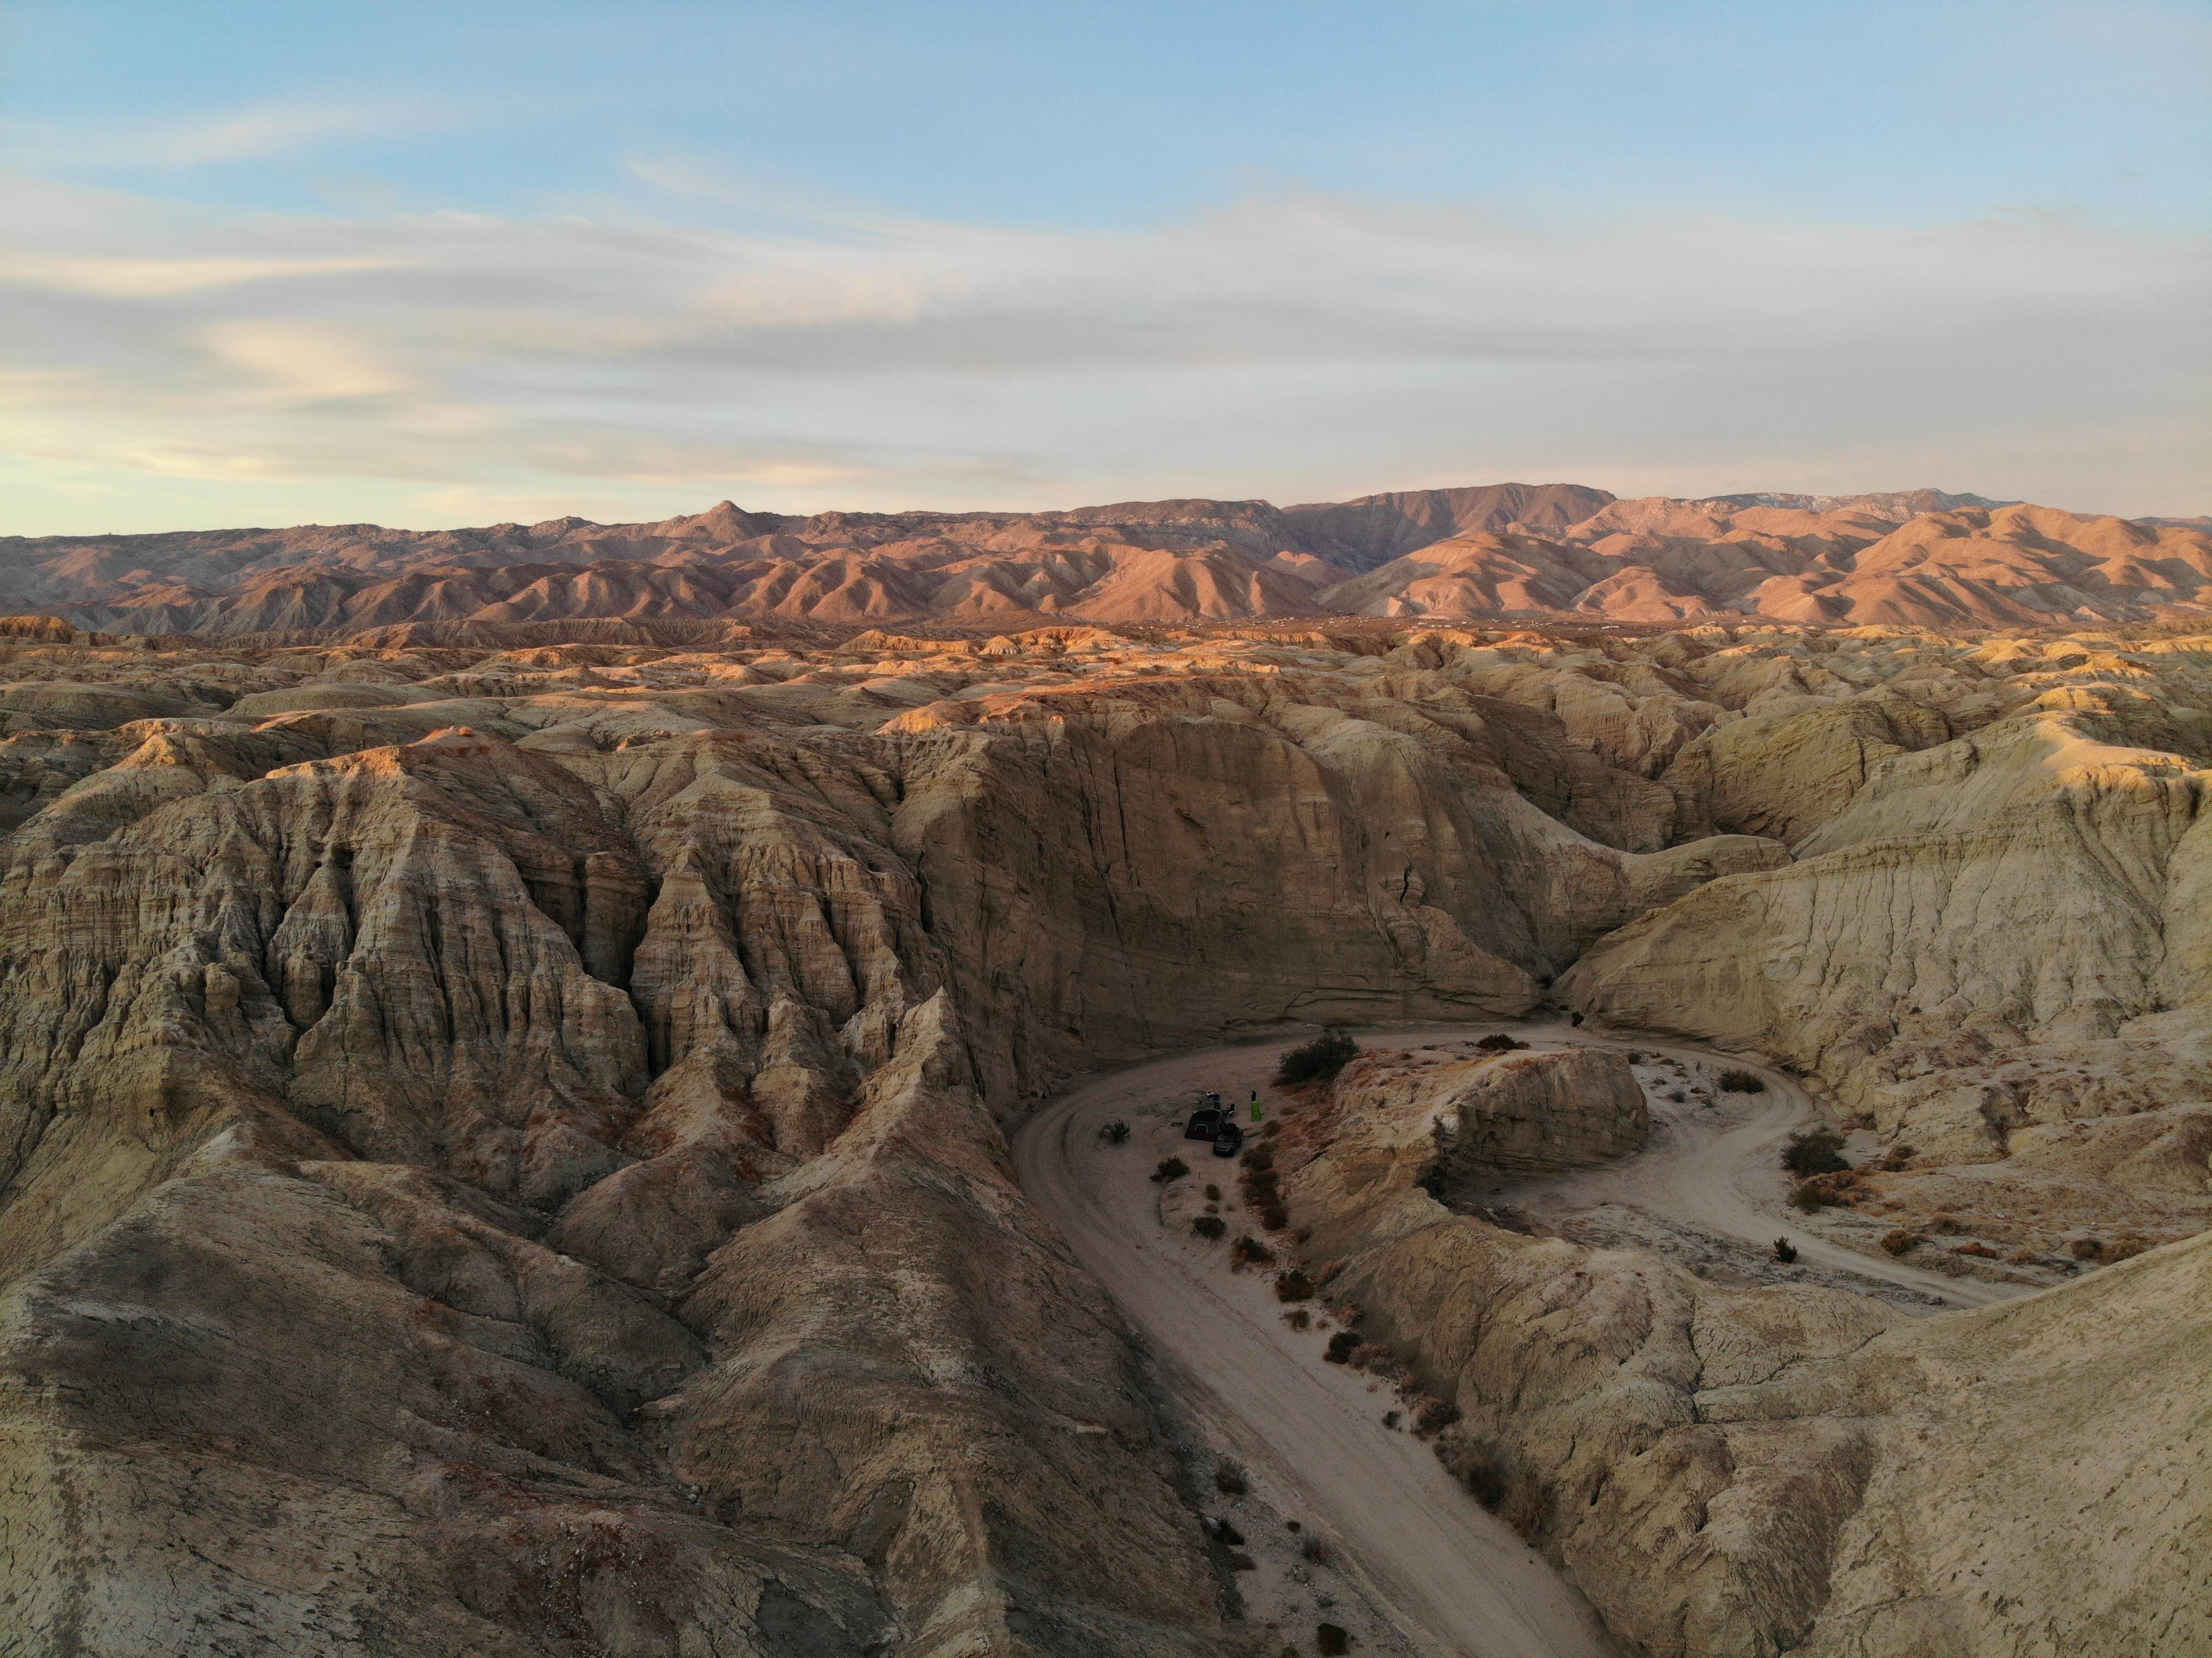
<point x="499" y="1145"/>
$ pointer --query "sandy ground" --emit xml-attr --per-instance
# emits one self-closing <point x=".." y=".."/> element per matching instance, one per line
<point x="1412" y="1564"/>
<point x="1715" y="1168"/>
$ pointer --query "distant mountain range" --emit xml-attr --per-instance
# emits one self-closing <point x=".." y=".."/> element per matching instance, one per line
<point x="1493" y="551"/>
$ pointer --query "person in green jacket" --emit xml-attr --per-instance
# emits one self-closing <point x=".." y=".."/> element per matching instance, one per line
<point x="1255" y="1105"/>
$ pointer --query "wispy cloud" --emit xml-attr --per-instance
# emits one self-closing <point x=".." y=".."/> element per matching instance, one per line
<point x="247" y="132"/>
<point x="1290" y="343"/>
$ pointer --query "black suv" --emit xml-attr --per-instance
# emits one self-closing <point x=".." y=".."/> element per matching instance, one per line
<point x="1230" y="1141"/>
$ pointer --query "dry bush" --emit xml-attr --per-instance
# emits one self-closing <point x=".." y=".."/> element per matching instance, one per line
<point x="1981" y="1249"/>
<point x="1901" y="1241"/>
<point x="2087" y="1249"/>
<point x="1225" y="1530"/>
<point x="2126" y="1249"/>
<point x="1317" y="1060"/>
<point x="1499" y="1042"/>
<point x="1209" y="1226"/>
<point x="1230" y="1479"/>
<point x="1341" y="1345"/>
<point x="1784" y="1251"/>
<point x="1370" y="1354"/>
<point x="1294" y="1285"/>
<point x="1115" y="1134"/>
<point x="1945" y="1221"/>
<point x="1242" y="1563"/>
<point x="1170" y="1169"/>
<point x="1434" y="1415"/>
<point x="1314" y="1552"/>
<point x="1249" y="1251"/>
<point x="1816" y="1152"/>
<point x="1275" y="1218"/>
<point x="1331" y="1639"/>
<point x="1213" y="1195"/>
<point x="1298" y="1319"/>
<point x="1742" y="1082"/>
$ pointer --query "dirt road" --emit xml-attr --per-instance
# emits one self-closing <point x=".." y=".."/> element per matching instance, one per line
<point x="1454" y="1578"/>
<point x="1457" y="1580"/>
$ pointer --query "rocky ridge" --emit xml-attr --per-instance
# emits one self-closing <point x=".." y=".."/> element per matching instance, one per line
<point x="1917" y="557"/>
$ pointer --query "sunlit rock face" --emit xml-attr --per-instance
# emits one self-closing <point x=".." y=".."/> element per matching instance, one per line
<point x="500" y="1119"/>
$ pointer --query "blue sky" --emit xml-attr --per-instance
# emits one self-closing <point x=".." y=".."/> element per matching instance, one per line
<point x="436" y="265"/>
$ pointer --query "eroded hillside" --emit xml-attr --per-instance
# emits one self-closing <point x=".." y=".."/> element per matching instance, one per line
<point x="1917" y="557"/>
<point x="502" y="1146"/>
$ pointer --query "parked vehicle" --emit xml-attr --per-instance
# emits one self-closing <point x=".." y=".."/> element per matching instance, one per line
<point x="1230" y="1141"/>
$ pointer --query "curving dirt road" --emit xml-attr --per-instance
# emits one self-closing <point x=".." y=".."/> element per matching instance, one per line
<point x="1455" y="1579"/>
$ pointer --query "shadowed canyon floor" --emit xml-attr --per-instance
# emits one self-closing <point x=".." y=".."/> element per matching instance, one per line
<point x="503" y="1137"/>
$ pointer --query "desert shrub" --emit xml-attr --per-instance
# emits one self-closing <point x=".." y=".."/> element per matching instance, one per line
<point x="1170" y="1169"/>
<point x="1784" y="1251"/>
<point x="1810" y="1195"/>
<point x="1314" y="1552"/>
<point x="1898" y="1157"/>
<point x="1340" y="1347"/>
<point x="1317" y="1060"/>
<point x="1294" y="1285"/>
<point x="1981" y="1249"/>
<point x="1242" y="1563"/>
<point x="1742" y="1082"/>
<point x="1298" y="1319"/>
<point x="1676" y="1095"/>
<point x="1249" y="1251"/>
<point x="1209" y="1226"/>
<point x="1260" y="1159"/>
<point x="1944" y="1220"/>
<point x="1434" y="1415"/>
<point x="2127" y="1249"/>
<point x="1819" y="1151"/>
<point x="1333" y="1640"/>
<point x="1480" y="1471"/>
<point x="1390" y="1419"/>
<point x="2086" y="1248"/>
<point x="1369" y="1355"/>
<point x="1225" y="1530"/>
<point x="1116" y="1132"/>
<point x="1349" y="1313"/>
<point x="1230" y="1479"/>
<point x="1270" y="1129"/>
<point x="1499" y="1042"/>
<point x="1900" y="1242"/>
<point x="1213" y="1195"/>
<point x="1275" y="1218"/>
<point x="1331" y="1270"/>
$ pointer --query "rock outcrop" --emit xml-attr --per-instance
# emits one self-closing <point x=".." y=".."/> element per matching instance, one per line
<point x="1737" y="1474"/>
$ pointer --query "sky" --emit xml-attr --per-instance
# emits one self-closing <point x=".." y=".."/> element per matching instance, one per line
<point x="429" y="265"/>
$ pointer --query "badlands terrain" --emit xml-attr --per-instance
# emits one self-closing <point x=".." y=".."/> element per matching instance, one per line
<point x="1917" y="557"/>
<point x="555" y="1131"/>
